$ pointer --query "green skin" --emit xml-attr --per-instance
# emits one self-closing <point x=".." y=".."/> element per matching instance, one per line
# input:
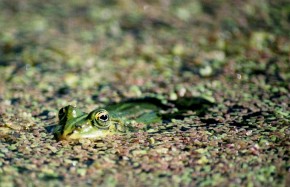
<point x="75" y="124"/>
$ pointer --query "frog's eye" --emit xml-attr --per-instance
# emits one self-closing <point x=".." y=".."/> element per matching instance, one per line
<point x="101" y="119"/>
<point x="104" y="117"/>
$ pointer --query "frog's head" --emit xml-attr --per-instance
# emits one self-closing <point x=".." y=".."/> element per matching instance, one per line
<point x="93" y="125"/>
<point x="74" y="124"/>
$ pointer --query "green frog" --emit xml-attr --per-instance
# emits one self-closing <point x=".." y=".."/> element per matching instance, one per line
<point x="119" y="117"/>
<point x="75" y="124"/>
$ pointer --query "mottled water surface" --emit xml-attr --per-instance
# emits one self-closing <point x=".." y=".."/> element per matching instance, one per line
<point x="233" y="54"/>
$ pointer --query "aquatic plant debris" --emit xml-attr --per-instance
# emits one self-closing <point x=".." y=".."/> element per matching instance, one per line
<point x="234" y="54"/>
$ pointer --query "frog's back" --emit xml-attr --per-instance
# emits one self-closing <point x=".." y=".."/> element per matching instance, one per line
<point x="140" y="112"/>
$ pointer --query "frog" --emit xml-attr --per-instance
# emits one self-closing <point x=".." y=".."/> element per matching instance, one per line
<point x="116" y="118"/>
<point x="75" y="124"/>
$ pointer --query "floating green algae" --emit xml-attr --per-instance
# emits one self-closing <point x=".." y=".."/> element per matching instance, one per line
<point x="89" y="54"/>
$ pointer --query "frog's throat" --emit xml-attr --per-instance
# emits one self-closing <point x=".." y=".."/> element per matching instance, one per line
<point x="94" y="133"/>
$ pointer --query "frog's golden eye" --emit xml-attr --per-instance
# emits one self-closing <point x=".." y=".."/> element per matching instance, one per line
<point x="100" y="118"/>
